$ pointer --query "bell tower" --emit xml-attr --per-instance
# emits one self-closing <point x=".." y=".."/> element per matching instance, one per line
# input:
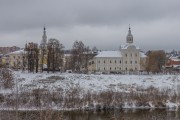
<point x="44" y="38"/>
<point x="129" y="37"/>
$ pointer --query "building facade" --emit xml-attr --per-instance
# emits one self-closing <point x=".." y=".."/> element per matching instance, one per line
<point x="14" y="59"/>
<point x="173" y="63"/>
<point x="128" y="58"/>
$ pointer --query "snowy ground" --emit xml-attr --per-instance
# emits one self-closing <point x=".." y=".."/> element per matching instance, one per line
<point x="96" y="83"/>
<point x="26" y="82"/>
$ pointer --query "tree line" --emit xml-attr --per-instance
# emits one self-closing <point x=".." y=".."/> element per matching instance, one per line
<point x="53" y="55"/>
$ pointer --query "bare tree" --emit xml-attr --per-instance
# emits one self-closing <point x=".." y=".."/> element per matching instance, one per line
<point x="77" y="52"/>
<point x="32" y="56"/>
<point x="43" y="49"/>
<point x="87" y="56"/>
<point x="156" y="59"/>
<point x="55" y="55"/>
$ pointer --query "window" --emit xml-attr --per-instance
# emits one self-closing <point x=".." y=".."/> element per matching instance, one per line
<point x="104" y="61"/>
<point x="115" y="61"/>
<point x="126" y="55"/>
<point x="136" y="54"/>
<point x="135" y="62"/>
<point x="104" y="68"/>
<point x="110" y="68"/>
<point x="130" y="62"/>
<point x="126" y="62"/>
<point x="110" y="61"/>
<point x="92" y="62"/>
<point x="120" y="61"/>
<point x="115" y="68"/>
<point x="126" y="68"/>
<point x="99" y="61"/>
<point x="131" y="54"/>
<point x="14" y="57"/>
<point x="135" y="68"/>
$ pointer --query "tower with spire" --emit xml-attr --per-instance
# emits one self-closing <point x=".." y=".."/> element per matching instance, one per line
<point x="129" y="37"/>
<point x="43" y="43"/>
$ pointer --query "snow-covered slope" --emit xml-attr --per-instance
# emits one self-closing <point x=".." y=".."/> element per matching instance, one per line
<point x="96" y="83"/>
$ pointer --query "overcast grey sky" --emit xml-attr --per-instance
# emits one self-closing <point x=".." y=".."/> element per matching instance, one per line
<point x="155" y="24"/>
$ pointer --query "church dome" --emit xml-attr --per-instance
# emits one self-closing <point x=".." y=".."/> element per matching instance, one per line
<point x="129" y="38"/>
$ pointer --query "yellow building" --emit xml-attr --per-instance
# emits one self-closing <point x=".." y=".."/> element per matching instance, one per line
<point x="15" y="59"/>
<point x="5" y="60"/>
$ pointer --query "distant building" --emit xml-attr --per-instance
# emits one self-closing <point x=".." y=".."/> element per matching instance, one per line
<point x="14" y="59"/>
<point x="1" y="57"/>
<point x="43" y="51"/>
<point x="173" y="63"/>
<point x="6" y="50"/>
<point x="128" y="58"/>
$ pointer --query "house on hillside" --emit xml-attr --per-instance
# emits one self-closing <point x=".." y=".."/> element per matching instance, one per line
<point x="128" y="58"/>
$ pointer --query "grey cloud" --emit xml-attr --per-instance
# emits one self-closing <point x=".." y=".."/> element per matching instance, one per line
<point x="105" y="21"/>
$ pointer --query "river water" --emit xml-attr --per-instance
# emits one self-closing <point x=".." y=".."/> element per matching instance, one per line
<point x="126" y="114"/>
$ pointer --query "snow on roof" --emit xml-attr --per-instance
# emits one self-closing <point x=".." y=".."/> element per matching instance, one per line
<point x="17" y="52"/>
<point x="142" y="55"/>
<point x="126" y="46"/>
<point x="109" y="54"/>
<point x="176" y="66"/>
<point x="175" y="58"/>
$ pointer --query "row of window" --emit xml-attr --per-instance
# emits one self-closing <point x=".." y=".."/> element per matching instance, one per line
<point x="131" y="55"/>
<point x="109" y="61"/>
<point x="110" y="68"/>
<point x="118" y="68"/>
<point x="131" y="62"/>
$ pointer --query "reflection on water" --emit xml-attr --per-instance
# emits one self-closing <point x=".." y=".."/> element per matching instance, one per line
<point x="126" y="114"/>
<point x="160" y="114"/>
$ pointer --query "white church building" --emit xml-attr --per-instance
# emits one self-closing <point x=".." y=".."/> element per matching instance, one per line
<point x="128" y="58"/>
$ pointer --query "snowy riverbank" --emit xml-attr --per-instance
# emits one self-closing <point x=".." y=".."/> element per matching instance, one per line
<point x="89" y="91"/>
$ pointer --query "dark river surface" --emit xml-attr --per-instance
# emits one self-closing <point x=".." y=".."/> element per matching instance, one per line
<point x="125" y="114"/>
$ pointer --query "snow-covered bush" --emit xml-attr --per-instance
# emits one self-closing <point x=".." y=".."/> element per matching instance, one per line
<point x="6" y="77"/>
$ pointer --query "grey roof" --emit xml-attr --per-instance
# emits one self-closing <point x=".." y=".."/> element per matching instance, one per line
<point x="116" y="54"/>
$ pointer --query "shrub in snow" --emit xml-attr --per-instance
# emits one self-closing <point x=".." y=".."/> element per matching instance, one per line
<point x="6" y="77"/>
